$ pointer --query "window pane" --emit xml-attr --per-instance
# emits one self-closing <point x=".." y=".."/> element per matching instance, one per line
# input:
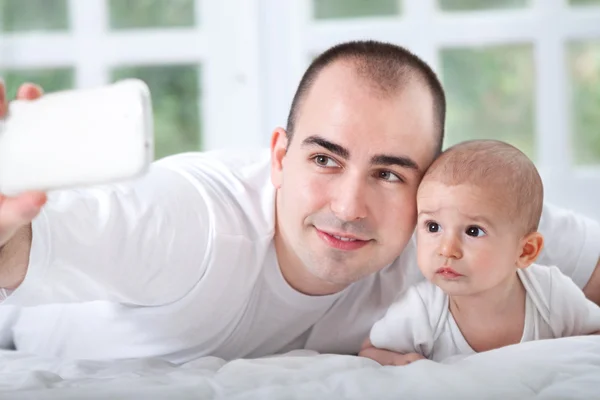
<point x="49" y="79"/>
<point x="151" y="13"/>
<point x="584" y="62"/>
<point x="584" y="2"/>
<point x="471" y="5"/>
<point x="175" y="100"/>
<point x="33" y="15"/>
<point x="326" y="9"/>
<point x="490" y="94"/>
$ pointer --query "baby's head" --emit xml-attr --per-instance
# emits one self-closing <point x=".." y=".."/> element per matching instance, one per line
<point x="479" y="207"/>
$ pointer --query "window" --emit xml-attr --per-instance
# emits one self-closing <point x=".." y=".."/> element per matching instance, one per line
<point x="584" y="2"/>
<point x="509" y="72"/>
<point x="584" y="63"/>
<point x="331" y="9"/>
<point x="132" y="14"/>
<point x="490" y="94"/>
<point x="223" y="73"/>
<point x="473" y="5"/>
<point x="64" y="44"/>
<point x="175" y="91"/>
<point x="33" y="15"/>
<point x="50" y="79"/>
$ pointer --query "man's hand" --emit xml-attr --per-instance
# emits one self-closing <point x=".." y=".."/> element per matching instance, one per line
<point x="592" y="289"/>
<point x="16" y="213"/>
<point x="386" y="357"/>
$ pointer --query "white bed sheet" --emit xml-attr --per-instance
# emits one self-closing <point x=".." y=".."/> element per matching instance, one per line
<point x="557" y="369"/>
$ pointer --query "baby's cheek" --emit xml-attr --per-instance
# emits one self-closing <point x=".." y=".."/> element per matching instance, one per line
<point x="487" y="260"/>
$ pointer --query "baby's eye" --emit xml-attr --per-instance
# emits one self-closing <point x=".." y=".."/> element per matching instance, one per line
<point x="475" y="231"/>
<point x="433" y="227"/>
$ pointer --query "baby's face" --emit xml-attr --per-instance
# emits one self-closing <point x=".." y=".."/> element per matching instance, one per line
<point x="466" y="242"/>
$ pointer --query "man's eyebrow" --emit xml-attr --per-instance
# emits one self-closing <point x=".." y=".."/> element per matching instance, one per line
<point x="401" y="161"/>
<point x="332" y="147"/>
<point x="381" y="159"/>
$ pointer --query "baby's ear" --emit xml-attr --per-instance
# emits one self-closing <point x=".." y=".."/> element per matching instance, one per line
<point x="530" y="248"/>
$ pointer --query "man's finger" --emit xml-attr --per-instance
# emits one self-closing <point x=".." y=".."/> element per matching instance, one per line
<point x="18" y="211"/>
<point x="3" y="102"/>
<point x="29" y="91"/>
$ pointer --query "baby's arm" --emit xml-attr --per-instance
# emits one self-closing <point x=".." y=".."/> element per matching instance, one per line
<point x="387" y="357"/>
<point x="571" y="313"/>
<point x="403" y="335"/>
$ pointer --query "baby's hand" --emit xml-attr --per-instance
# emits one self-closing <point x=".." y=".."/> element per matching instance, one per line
<point x="386" y="357"/>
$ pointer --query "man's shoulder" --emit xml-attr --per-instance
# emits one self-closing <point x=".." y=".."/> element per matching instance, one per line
<point x="235" y="185"/>
<point x="546" y="285"/>
<point x="223" y="161"/>
<point x="543" y="275"/>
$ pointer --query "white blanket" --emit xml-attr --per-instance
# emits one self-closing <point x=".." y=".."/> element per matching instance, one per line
<point x="556" y="369"/>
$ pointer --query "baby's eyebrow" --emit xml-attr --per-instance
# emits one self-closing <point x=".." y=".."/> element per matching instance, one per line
<point x="428" y="212"/>
<point x="480" y="218"/>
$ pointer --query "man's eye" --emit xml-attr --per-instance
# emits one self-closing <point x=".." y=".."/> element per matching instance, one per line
<point x="389" y="176"/>
<point x="324" y="161"/>
<point x="475" y="231"/>
<point x="433" y="227"/>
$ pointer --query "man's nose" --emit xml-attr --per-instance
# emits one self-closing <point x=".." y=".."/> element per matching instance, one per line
<point x="349" y="200"/>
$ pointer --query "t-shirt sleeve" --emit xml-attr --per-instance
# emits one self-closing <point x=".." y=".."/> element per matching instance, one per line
<point x="572" y="243"/>
<point x="140" y="242"/>
<point x="405" y="327"/>
<point x="571" y="313"/>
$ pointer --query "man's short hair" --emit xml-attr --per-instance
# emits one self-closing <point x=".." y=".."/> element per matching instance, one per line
<point x="500" y="167"/>
<point x="389" y="67"/>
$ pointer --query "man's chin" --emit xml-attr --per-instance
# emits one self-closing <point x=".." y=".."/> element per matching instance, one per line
<point x="337" y="275"/>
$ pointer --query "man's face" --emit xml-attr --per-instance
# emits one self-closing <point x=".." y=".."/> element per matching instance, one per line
<point x="346" y="186"/>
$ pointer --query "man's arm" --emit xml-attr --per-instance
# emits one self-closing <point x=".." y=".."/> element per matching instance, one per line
<point x="14" y="258"/>
<point x="592" y="288"/>
<point x="140" y="242"/>
<point x="572" y="243"/>
<point x="16" y="213"/>
<point x="572" y="313"/>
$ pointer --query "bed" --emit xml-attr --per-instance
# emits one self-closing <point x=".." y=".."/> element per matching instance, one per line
<point x="566" y="368"/>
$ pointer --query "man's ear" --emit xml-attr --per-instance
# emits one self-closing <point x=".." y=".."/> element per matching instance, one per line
<point x="530" y="248"/>
<point x="279" y="143"/>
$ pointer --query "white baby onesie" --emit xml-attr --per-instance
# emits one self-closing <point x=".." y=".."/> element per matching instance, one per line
<point x="420" y="321"/>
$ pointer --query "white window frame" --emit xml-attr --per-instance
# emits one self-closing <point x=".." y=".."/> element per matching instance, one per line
<point x="548" y="25"/>
<point x="223" y="42"/>
<point x="253" y="53"/>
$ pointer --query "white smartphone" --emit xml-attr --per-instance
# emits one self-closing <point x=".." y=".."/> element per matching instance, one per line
<point x="77" y="137"/>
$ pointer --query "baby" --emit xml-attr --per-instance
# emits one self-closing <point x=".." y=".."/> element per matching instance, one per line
<point x="479" y="206"/>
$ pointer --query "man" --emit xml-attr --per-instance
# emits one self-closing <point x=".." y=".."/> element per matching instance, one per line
<point x="238" y="255"/>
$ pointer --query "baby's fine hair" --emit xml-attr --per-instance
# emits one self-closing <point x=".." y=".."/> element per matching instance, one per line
<point x="497" y="166"/>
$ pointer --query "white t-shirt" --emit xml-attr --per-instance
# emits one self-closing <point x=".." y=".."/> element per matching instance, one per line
<point x="420" y="321"/>
<point x="181" y="264"/>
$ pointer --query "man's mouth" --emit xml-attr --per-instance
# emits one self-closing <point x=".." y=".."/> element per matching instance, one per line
<point x="342" y="241"/>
